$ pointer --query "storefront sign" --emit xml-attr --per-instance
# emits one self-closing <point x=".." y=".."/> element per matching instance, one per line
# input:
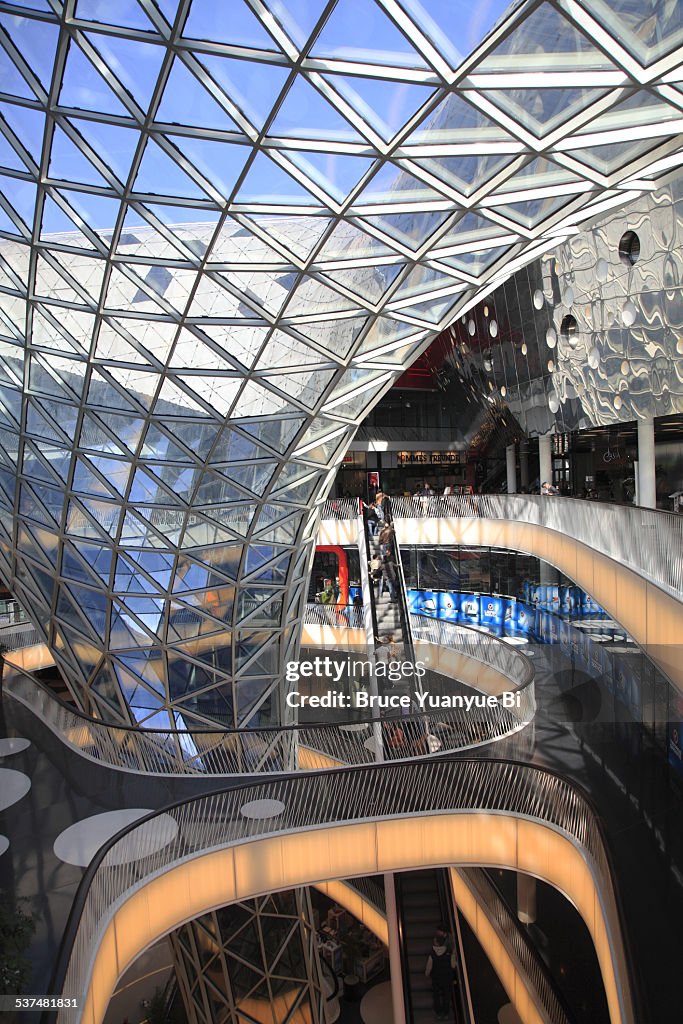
<point x="428" y="458"/>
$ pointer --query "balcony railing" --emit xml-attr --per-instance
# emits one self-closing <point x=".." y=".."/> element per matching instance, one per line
<point x="280" y="749"/>
<point x="195" y="827"/>
<point x="647" y="541"/>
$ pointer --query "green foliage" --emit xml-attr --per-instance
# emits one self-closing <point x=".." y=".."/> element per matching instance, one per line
<point x="16" y="929"/>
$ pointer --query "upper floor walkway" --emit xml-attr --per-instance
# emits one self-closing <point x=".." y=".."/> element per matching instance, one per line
<point x="630" y="559"/>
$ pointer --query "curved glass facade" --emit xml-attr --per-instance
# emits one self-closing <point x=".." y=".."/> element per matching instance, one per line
<point x="222" y="238"/>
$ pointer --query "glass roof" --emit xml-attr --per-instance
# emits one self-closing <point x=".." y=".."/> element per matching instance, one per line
<point x="225" y="229"/>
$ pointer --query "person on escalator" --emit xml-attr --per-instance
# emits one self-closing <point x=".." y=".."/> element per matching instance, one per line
<point x="388" y="578"/>
<point x="439" y="969"/>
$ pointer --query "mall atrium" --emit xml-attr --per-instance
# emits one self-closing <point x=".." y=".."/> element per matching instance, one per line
<point x="341" y="353"/>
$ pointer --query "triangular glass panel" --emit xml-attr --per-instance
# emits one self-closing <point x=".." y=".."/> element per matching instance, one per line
<point x="456" y="28"/>
<point x="220" y="163"/>
<point x="300" y="235"/>
<point x="278" y="434"/>
<point x="186" y="101"/>
<point x="411" y="229"/>
<point x="126" y="13"/>
<point x="545" y="41"/>
<point x="306" y="114"/>
<point x="539" y="173"/>
<point x="181" y="480"/>
<point x="306" y="387"/>
<point x="235" y="244"/>
<point x="8" y="226"/>
<point x="393" y="185"/>
<point x="104" y="394"/>
<point x="542" y="110"/>
<point x="266" y="182"/>
<point x="257" y="401"/>
<point x="359" y="30"/>
<point x="217" y="391"/>
<point x="242" y="28"/>
<point x="455" y="120"/>
<point x="173" y="401"/>
<point x="136" y="63"/>
<point x="98" y="557"/>
<point x="118" y="144"/>
<point x="433" y="311"/>
<point x="98" y="212"/>
<point x="159" y="174"/>
<point x="37" y="424"/>
<point x="253" y="86"/>
<point x="383" y="104"/>
<point x="335" y="173"/>
<point x="146" y="490"/>
<point x="28" y="125"/>
<point x="115" y="471"/>
<point x="532" y="212"/>
<point x="466" y="173"/>
<point x="111" y="345"/>
<point x="137" y="383"/>
<point x="56" y="222"/>
<point x="470" y="227"/>
<point x="12" y="83"/>
<point x="152" y="570"/>
<point x="22" y="195"/>
<point x="9" y="157"/>
<point x="36" y="41"/>
<point x="476" y="262"/>
<point x="255" y="477"/>
<point x="369" y="283"/>
<point x="613" y="156"/>
<point x="336" y="336"/>
<point x="158" y="445"/>
<point x="85" y="88"/>
<point x="640" y="108"/>
<point x="233" y="446"/>
<point x="198" y="436"/>
<point x="285" y="351"/>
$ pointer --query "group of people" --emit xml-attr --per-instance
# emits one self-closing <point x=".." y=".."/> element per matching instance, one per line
<point x="383" y="568"/>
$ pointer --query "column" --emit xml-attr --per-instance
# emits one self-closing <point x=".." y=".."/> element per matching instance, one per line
<point x="395" y="968"/>
<point x="524" y="464"/>
<point x="511" y="463"/>
<point x="545" y="460"/>
<point x="526" y="898"/>
<point x="647" y="490"/>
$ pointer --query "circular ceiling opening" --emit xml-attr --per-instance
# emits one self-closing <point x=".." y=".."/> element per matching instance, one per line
<point x="629" y="248"/>
<point x="569" y="327"/>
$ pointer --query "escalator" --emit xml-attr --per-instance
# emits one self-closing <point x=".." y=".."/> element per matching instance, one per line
<point x="387" y="592"/>
<point x="424" y="905"/>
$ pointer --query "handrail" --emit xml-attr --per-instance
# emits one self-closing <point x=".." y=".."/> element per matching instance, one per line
<point x="275" y="749"/>
<point x="215" y="821"/>
<point x="340" y="508"/>
<point x="648" y="541"/>
<point x="521" y="951"/>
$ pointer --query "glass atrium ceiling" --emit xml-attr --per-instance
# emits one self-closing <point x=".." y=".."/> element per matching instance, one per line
<point x="225" y="229"/>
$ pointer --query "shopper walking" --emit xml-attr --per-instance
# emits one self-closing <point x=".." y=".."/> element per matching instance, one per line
<point x="439" y="969"/>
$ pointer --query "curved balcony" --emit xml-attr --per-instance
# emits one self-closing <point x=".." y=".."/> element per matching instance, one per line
<point x="467" y="655"/>
<point x="629" y="559"/>
<point x="238" y="843"/>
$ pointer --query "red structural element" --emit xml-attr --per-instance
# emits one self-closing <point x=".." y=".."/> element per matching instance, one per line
<point x="343" y="570"/>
